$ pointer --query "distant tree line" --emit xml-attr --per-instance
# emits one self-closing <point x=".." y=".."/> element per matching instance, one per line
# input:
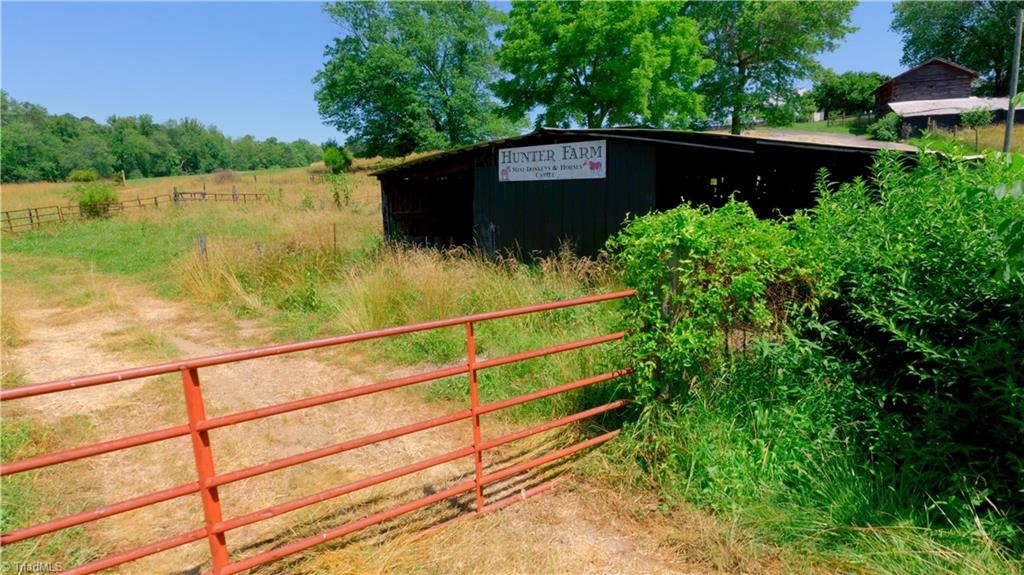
<point x="36" y="145"/>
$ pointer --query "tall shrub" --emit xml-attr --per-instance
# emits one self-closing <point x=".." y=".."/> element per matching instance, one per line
<point x="928" y="310"/>
<point x="94" y="199"/>
<point x="704" y="278"/>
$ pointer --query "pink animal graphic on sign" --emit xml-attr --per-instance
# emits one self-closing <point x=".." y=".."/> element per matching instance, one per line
<point x="594" y="166"/>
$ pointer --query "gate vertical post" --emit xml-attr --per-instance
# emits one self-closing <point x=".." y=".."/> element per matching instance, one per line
<point x="474" y="402"/>
<point x="204" y="467"/>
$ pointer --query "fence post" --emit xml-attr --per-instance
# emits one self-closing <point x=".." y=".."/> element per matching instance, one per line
<point x="31" y="222"/>
<point x="177" y="198"/>
<point x="60" y="214"/>
<point x="204" y="467"/>
<point x="234" y="193"/>
<point x="10" y="224"/>
<point x="202" y="247"/>
<point x="474" y="405"/>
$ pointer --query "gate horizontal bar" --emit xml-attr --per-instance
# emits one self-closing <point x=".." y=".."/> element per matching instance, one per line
<point x="521" y="467"/>
<point x="335" y="449"/>
<point x="552" y="424"/>
<point x="94" y="449"/>
<point x="319" y="497"/>
<point x="497" y="405"/>
<point x="261" y="412"/>
<point x="548" y="350"/>
<point x="313" y="541"/>
<point x="137" y="553"/>
<point x="98" y="513"/>
<point x="235" y="356"/>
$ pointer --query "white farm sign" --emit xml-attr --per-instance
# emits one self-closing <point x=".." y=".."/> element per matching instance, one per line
<point x="570" y="161"/>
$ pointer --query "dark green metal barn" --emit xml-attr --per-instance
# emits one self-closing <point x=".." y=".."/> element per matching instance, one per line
<point x="531" y="193"/>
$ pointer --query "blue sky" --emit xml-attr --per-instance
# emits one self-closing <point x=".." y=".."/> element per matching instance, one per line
<point x="244" y="67"/>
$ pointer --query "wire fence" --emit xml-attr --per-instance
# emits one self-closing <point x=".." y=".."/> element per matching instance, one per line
<point x="14" y="221"/>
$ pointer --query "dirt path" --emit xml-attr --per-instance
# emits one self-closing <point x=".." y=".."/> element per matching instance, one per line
<point x="573" y="529"/>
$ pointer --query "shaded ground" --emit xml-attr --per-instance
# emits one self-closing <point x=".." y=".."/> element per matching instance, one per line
<point x="579" y="527"/>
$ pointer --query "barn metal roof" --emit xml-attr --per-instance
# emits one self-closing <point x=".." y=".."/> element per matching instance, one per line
<point x="947" y="106"/>
<point x="725" y="142"/>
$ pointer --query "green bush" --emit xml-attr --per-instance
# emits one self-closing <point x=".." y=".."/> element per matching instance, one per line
<point x="337" y="159"/>
<point x="886" y="129"/>
<point x="86" y="175"/>
<point x="856" y="364"/>
<point x="703" y="276"/>
<point x="93" y="198"/>
<point x="928" y="311"/>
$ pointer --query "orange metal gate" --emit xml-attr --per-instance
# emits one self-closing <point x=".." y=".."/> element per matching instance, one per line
<point x="208" y="480"/>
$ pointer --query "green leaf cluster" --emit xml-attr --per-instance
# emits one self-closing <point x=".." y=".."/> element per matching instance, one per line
<point x="705" y="278"/>
<point x="597" y="64"/>
<point x="893" y="311"/>
<point x="411" y="76"/>
<point x="93" y="198"/>
<point x="337" y="159"/>
<point x="848" y="93"/>
<point x="888" y="128"/>
<point x="760" y="49"/>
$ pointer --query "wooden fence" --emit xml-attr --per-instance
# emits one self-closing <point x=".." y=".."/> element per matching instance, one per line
<point x="14" y="221"/>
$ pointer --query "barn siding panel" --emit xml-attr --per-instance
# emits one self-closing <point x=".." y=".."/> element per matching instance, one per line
<point x="541" y="214"/>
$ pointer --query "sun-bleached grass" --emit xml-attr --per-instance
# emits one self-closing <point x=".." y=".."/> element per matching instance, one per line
<point x="292" y="183"/>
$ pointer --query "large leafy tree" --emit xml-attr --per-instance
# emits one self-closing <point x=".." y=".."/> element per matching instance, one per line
<point x="846" y="93"/>
<point x="410" y="76"/>
<point x="595" y="63"/>
<point x="978" y="35"/>
<point x="760" y="49"/>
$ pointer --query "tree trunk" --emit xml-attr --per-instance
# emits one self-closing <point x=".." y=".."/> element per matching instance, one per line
<point x="737" y="108"/>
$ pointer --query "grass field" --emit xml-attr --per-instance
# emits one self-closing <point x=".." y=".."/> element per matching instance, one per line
<point x="299" y="267"/>
<point x="989" y="139"/>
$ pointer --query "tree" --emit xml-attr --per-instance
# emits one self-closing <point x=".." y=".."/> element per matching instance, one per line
<point x="977" y="118"/>
<point x="411" y="76"/>
<point x="596" y="64"/>
<point x="337" y="159"/>
<point x="978" y="35"/>
<point x="760" y="48"/>
<point x="847" y="93"/>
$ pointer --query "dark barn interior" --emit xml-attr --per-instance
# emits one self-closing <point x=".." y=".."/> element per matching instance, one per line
<point x="456" y="197"/>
